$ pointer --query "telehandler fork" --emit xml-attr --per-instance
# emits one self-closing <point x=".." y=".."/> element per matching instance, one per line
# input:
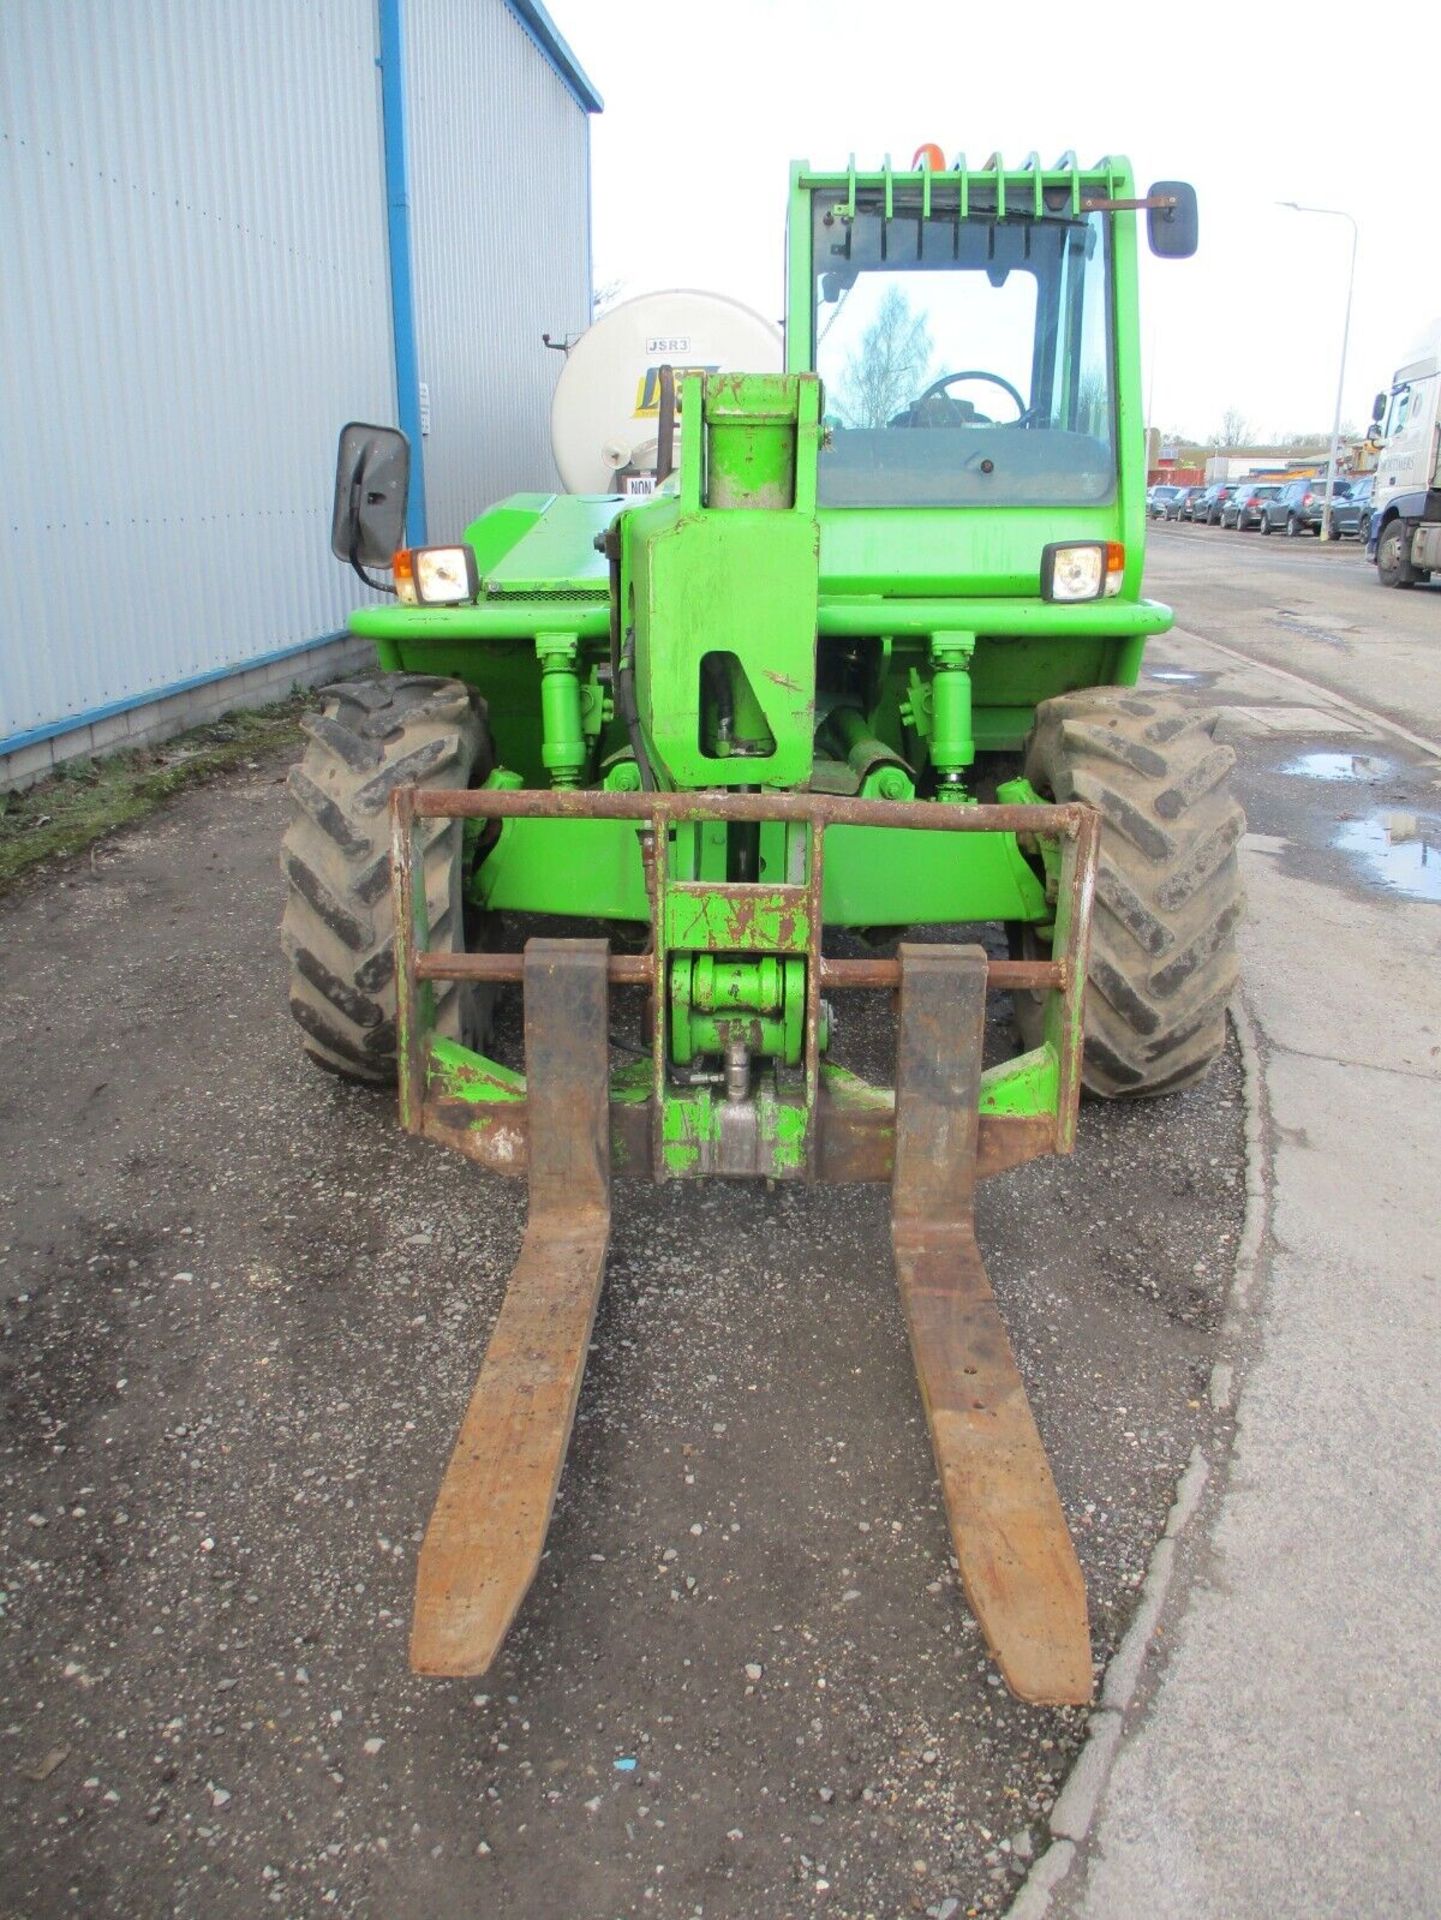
<point x="569" y="1123"/>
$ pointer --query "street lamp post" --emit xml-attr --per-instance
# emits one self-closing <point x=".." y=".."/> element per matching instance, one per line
<point x="1336" y="213"/>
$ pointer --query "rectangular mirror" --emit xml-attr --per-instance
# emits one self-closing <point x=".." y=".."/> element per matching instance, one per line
<point x="1173" y="231"/>
<point x="372" y="483"/>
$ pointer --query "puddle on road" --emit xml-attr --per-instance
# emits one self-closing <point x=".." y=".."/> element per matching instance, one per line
<point x="1338" y="766"/>
<point x="1181" y="676"/>
<point x="1332" y="628"/>
<point x="1399" y="850"/>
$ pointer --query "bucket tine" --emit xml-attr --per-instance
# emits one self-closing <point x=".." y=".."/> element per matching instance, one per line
<point x="488" y="1529"/>
<point x="1018" y="1565"/>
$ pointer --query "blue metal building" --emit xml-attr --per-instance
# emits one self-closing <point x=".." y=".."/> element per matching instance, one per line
<point x="232" y="229"/>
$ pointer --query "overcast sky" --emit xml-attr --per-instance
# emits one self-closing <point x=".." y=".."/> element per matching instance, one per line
<point x="707" y="102"/>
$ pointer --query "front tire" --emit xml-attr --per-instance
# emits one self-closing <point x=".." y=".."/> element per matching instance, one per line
<point x="1393" y="564"/>
<point x="1168" y="897"/>
<point x="371" y="736"/>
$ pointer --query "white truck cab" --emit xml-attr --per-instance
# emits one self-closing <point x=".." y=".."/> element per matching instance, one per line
<point x="1406" y="506"/>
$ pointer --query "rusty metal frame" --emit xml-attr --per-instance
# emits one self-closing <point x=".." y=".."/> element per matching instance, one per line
<point x="487" y="1533"/>
<point x="1016" y="1560"/>
<point x="929" y="1139"/>
<point x="849" y="1140"/>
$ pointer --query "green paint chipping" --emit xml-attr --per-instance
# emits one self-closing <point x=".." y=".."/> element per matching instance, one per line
<point x="784" y="1129"/>
<point x="458" y="1074"/>
<point x="1029" y="1084"/>
<point x="688" y="1125"/>
<point x="765" y="920"/>
<point x="850" y="1093"/>
<point x="691" y="1131"/>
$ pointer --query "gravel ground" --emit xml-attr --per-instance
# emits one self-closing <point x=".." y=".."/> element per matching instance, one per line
<point x="242" y="1315"/>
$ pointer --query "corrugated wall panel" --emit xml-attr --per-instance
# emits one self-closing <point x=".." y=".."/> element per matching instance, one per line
<point x="500" y="202"/>
<point x="195" y="297"/>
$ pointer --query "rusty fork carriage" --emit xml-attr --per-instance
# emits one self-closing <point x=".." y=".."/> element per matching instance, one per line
<point x="569" y="1123"/>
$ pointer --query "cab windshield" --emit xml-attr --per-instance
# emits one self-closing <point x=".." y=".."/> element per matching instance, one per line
<point x="965" y="362"/>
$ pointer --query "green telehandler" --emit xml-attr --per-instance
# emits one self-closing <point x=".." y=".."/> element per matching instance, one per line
<point x="866" y="660"/>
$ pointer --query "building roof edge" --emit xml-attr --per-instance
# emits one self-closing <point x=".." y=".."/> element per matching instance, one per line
<point x="551" y="42"/>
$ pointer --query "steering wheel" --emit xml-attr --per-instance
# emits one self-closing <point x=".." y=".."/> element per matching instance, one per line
<point x="949" y="380"/>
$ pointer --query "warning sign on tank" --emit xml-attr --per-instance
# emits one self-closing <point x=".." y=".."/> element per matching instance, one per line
<point x="647" y="398"/>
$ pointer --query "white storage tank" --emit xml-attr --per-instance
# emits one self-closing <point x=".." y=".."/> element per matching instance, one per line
<point x="604" y="418"/>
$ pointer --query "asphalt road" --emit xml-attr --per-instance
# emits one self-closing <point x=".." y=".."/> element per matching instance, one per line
<point x="242" y="1313"/>
<point x="1280" y="1762"/>
<point x="1307" y="608"/>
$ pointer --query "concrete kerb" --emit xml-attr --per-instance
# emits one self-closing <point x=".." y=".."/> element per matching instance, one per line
<point x="1075" y="1808"/>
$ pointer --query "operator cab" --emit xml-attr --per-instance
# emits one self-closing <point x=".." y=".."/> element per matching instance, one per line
<point x="964" y="361"/>
<point x="965" y="328"/>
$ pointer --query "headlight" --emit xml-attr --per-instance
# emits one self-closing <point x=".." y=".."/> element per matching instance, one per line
<point x="445" y="576"/>
<point x="435" y="576"/>
<point x="1088" y="570"/>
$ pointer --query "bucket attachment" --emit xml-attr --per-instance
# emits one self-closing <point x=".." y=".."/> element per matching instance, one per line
<point x="568" y="1121"/>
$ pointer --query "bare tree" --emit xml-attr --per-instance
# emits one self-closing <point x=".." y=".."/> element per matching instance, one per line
<point x="1320" y="438"/>
<point x="892" y="366"/>
<point x="605" y="295"/>
<point x="1234" y="428"/>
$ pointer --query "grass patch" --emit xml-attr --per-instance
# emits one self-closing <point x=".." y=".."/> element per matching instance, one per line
<point x="83" y="800"/>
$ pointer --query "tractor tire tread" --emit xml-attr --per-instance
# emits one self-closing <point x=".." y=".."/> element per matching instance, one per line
<point x="1109" y="744"/>
<point x="1168" y="897"/>
<point x="372" y="736"/>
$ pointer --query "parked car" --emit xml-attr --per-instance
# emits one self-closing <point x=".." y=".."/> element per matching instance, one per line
<point x="1158" y="500"/>
<point x="1351" y="515"/>
<point x="1207" y="510"/>
<point x="1180" y="508"/>
<point x="1243" y="507"/>
<point x="1299" y="504"/>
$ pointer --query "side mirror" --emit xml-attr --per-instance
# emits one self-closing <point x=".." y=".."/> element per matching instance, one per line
<point x="1378" y="408"/>
<point x="372" y="483"/>
<point x="1173" y="231"/>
